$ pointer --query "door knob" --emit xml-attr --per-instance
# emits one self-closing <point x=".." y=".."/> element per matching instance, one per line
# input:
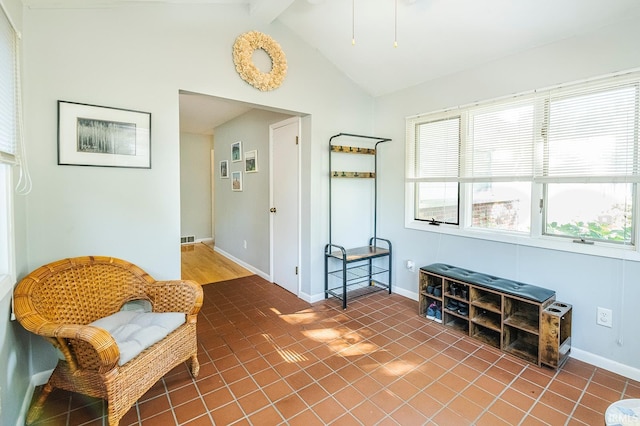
<point x="272" y="209"/>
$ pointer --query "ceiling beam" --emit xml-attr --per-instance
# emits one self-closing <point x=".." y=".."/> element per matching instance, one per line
<point x="267" y="11"/>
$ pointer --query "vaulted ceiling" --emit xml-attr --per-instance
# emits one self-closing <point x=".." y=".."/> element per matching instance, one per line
<point x="434" y="37"/>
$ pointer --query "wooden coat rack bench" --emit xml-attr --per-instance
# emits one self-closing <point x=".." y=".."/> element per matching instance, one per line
<point x="353" y="272"/>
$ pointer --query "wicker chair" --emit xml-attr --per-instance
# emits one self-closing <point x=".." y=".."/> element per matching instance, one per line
<point x="58" y="300"/>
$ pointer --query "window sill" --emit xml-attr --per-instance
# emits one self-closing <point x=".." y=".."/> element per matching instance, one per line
<point x="543" y="242"/>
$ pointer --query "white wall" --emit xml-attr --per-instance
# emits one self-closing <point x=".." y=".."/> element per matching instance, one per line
<point x="244" y="216"/>
<point x="14" y="340"/>
<point x="139" y="57"/>
<point x="352" y="200"/>
<point x="584" y="281"/>
<point x="195" y="185"/>
<point x="156" y="51"/>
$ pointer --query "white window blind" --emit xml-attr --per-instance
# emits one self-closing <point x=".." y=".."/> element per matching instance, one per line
<point x="435" y="156"/>
<point x="8" y="80"/>
<point x="500" y="144"/>
<point x="592" y="136"/>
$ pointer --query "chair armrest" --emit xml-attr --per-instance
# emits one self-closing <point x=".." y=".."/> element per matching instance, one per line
<point x="104" y="355"/>
<point x="98" y="339"/>
<point x="176" y="296"/>
<point x="60" y="335"/>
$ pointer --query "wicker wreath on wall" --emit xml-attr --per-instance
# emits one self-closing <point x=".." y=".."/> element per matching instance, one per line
<point x="243" y="49"/>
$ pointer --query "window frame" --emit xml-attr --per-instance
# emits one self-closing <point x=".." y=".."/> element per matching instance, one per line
<point x="7" y="236"/>
<point x="8" y="154"/>
<point x="414" y="166"/>
<point x="536" y="236"/>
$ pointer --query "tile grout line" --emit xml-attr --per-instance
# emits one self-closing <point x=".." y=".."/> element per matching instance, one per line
<point x="528" y="412"/>
<point x="459" y="338"/>
<point x="507" y="386"/>
<point x="171" y="407"/>
<point x="380" y="365"/>
<point x="235" y="398"/>
<point x="68" y="420"/>
<point x="445" y="372"/>
<point x="624" y="388"/>
<point x="442" y="351"/>
<point x="282" y="378"/>
<point x="194" y="380"/>
<point x="137" y="413"/>
<point x="584" y="390"/>
<point x="364" y="373"/>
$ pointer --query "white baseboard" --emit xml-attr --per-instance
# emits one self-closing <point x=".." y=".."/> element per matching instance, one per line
<point x="311" y="298"/>
<point x="606" y="364"/>
<point x="579" y="354"/>
<point x="41" y="378"/>
<point x="243" y="264"/>
<point x="37" y="379"/>
<point x="406" y="293"/>
<point x="22" y="417"/>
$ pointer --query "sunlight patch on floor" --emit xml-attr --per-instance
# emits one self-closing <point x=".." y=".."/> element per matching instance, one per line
<point x="287" y="355"/>
<point x="397" y="368"/>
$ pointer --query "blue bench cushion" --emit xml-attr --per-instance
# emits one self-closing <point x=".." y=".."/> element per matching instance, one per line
<point x="514" y="288"/>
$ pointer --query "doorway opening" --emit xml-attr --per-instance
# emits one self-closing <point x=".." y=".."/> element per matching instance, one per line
<point x="235" y="222"/>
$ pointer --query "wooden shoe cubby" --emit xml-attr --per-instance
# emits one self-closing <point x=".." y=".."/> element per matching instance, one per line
<point x="517" y="318"/>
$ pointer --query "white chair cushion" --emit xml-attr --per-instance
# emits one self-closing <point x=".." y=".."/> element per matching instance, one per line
<point x="137" y="305"/>
<point x="136" y="331"/>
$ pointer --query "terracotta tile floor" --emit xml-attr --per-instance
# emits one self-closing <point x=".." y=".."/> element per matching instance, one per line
<point x="269" y="358"/>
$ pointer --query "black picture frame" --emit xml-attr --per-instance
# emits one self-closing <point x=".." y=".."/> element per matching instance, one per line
<point x="92" y="135"/>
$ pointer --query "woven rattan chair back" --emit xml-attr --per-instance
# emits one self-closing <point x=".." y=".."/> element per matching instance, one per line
<point x="84" y="290"/>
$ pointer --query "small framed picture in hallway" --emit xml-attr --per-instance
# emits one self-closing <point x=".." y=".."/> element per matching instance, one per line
<point x="251" y="161"/>
<point x="236" y="181"/>
<point x="236" y="152"/>
<point x="224" y="169"/>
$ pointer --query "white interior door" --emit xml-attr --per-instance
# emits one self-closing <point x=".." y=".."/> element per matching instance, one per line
<point x="284" y="161"/>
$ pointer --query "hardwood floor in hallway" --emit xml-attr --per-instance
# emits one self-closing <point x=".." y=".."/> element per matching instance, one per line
<point x="203" y="265"/>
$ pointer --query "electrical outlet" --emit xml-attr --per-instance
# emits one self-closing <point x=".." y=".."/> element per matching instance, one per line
<point x="605" y="317"/>
<point x="411" y="265"/>
<point x="245" y="243"/>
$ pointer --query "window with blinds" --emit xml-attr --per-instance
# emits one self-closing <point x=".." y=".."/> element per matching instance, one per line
<point x="435" y="169"/>
<point x="437" y="150"/>
<point x="592" y="136"/>
<point x="499" y="164"/>
<point x="500" y="143"/>
<point x="8" y="135"/>
<point x="571" y="150"/>
<point x="590" y="163"/>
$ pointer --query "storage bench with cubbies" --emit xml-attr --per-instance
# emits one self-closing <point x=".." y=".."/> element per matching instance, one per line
<point x="521" y="319"/>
